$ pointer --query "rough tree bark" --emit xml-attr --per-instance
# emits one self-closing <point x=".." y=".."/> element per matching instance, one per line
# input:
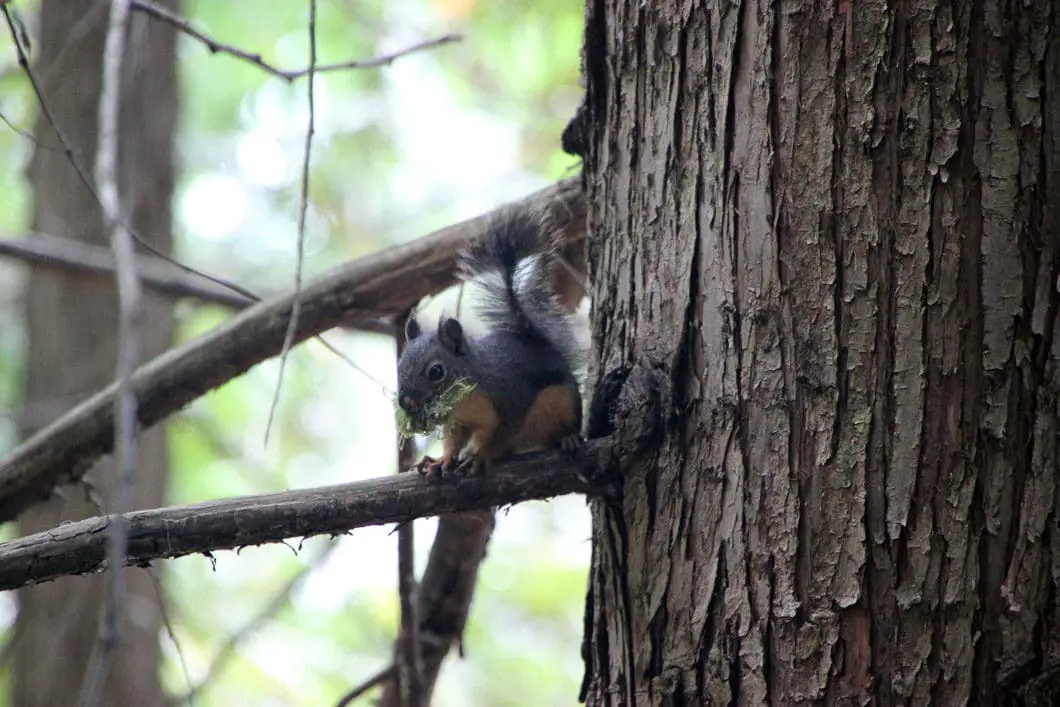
<point x="831" y="231"/>
<point x="73" y="328"/>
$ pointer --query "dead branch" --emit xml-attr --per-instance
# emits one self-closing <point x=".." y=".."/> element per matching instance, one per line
<point x="80" y="547"/>
<point x="370" y="288"/>
<point x="167" y="621"/>
<point x="156" y="274"/>
<point x="68" y="255"/>
<point x="446" y="591"/>
<point x="27" y="134"/>
<point x="267" y="612"/>
<point x="181" y="24"/>
<point x="374" y="681"/>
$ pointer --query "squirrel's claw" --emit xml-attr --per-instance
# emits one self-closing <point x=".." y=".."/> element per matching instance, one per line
<point x="430" y="467"/>
<point x="450" y="464"/>
<point x="434" y="468"/>
<point x="423" y="465"/>
<point x="570" y="443"/>
<point x="472" y="466"/>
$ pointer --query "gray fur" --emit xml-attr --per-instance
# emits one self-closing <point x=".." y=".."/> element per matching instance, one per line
<point x="530" y="344"/>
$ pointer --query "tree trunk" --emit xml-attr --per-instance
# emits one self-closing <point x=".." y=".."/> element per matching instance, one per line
<point x="831" y="231"/>
<point x="73" y="329"/>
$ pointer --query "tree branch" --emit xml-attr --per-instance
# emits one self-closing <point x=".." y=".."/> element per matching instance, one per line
<point x="445" y="593"/>
<point x="379" y="285"/>
<point x="268" y="611"/>
<point x="181" y="24"/>
<point x="80" y="547"/>
<point x="68" y="255"/>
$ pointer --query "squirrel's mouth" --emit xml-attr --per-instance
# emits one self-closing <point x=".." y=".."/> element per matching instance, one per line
<point x="408" y="404"/>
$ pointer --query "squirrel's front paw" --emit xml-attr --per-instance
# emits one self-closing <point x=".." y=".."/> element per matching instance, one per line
<point x="423" y="466"/>
<point x="430" y="467"/>
<point x="433" y="468"/>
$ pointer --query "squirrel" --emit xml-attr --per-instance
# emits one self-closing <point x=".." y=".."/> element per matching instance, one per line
<point x="525" y="395"/>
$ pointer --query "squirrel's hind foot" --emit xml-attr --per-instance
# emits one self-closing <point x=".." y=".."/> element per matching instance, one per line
<point x="472" y="466"/>
<point x="571" y="443"/>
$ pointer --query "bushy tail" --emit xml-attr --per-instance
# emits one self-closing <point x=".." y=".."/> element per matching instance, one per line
<point x="512" y="264"/>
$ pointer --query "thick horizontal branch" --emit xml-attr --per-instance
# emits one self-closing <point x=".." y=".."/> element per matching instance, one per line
<point x="86" y="259"/>
<point x="81" y="547"/>
<point x="377" y="286"/>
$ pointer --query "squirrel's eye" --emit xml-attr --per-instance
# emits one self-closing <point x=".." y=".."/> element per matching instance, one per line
<point x="436" y="372"/>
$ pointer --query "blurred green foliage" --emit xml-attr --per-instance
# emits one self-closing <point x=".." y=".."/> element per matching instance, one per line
<point x="435" y="137"/>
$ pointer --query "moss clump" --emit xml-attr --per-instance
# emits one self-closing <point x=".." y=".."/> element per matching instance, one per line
<point x="436" y="413"/>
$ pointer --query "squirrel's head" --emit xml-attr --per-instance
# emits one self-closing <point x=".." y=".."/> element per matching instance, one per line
<point x="430" y="365"/>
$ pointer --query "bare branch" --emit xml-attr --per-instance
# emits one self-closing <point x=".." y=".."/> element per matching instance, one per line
<point x="72" y="256"/>
<point x="28" y="135"/>
<point x="446" y="591"/>
<point x="379" y="61"/>
<point x="80" y="547"/>
<point x="163" y="609"/>
<point x="370" y="288"/>
<point x="303" y="208"/>
<point x="374" y="681"/>
<point x="163" y="14"/>
<point x="129" y="316"/>
<point x="272" y="607"/>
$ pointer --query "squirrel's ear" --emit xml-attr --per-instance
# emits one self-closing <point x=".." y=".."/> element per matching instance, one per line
<point x="412" y="329"/>
<point x="451" y="334"/>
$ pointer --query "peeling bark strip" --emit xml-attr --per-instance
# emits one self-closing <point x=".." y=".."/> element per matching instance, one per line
<point x="836" y="230"/>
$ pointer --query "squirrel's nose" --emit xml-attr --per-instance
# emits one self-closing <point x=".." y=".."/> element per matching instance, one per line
<point x="406" y="403"/>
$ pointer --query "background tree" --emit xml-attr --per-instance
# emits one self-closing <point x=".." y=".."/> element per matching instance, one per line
<point x="72" y="326"/>
<point x="829" y="234"/>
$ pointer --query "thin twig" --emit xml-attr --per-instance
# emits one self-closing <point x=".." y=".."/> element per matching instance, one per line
<point x="303" y="208"/>
<point x="278" y="601"/>
<point x="163" y="610"/>
<point x="128" y="337"/>
<point x="86" y="259"/>
<point x="377" y="679"/>
<point x="166" y="15"/>
<point x="410" y="657"/>
<point x="163" y="14"/>
<point x="376" y="62"/>
<point x="28" y="135"/>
